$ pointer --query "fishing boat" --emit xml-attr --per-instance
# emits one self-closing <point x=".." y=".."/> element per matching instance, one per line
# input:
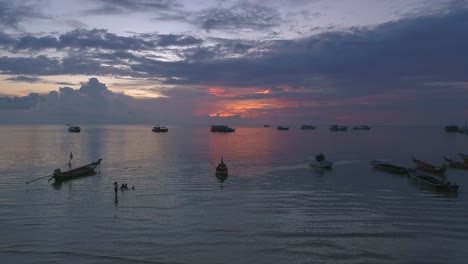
<point x="421" y="165"/>
<point x="160" y="129"/>
<point x="457" y="164"/>
<point x="85" y="170"/>
<point x="221" y="169"/>
<point x="390" y="167"/>
<point x="362" y="127"/>
<point x="434" y="182"/>
<point x="338" y="128"/>
<point x="266" y="125"/>
<point x="75" y="129"/>
<point x="307" y="127"/>
<point x="464" y="157"/>
<point x="222" y="128"/>
<point x="282" y="128"/>
<point x="320" y="162"/>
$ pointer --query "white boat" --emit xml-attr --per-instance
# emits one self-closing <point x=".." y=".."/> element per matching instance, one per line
<point x="321" y="162"/>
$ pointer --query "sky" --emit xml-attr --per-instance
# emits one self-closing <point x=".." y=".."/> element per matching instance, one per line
<point x="236" y="62"/>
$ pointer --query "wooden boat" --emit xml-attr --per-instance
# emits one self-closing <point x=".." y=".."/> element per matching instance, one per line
<point x="421" y="165"/>
<point x="222" y="128"/>
<point x="282" y="128"/>
<point x="390" y="167"/>
<point x="221" y="169"/>
<point x="464" y="157"/>
<point x="338" y="128"/>
<point x="75" y="129"/>
<point x="85" y="170"/>
<point x="321" y="162"/>
<point x="434" y="182"/>
<point x="457" y="164"/>
<point x="160" y="129"/>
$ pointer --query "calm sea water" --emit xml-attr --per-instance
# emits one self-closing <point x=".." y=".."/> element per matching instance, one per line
<point x="273" y="207"/>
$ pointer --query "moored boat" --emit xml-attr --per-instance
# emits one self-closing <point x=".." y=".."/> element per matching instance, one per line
<point x="320" y="162"/>
<point x="361" y="127"/>
<point x="390" y="167"/>
<point x="221" y="169"/>
<point x="222" y="128"/>
<point x="338" y="128"/>
<point x="421" y="165"/>
<point x="160" y="129"/>
<point x="434" y="182"/>
<point x="282" y="128"/>
<point x="266" y="125"/>
<point x="85" y="170"/>
<point x="75" y="129"/>
<point x="457" y="164"/>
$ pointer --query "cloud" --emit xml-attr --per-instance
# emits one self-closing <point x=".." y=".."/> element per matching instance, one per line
<point x="241" y="15"/>
<point x="24" y="79"/>
<point x="12" y="13"/>
<point x="109" y="7"/>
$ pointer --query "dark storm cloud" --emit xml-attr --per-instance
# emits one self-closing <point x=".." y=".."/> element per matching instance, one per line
<point x="405" y="53"/>
<point x="357" y="61"/>
<point x="242" y="15"/>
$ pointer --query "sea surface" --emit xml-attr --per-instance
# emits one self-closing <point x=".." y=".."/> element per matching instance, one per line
<point x="273" y="207"/>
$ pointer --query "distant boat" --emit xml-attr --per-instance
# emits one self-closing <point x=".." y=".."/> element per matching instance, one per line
<point x="338" y="128"/>
<point x="390" y="167"/>
<point x="362" y="127"/>
<point x="222" y="128"/>
<point x="85" y="170"/>
<point x="266" y="125"/>
<point x="451" y="128"/>
<point x="307" y="127"/>
<point x="221" y="169"/>
<point x="320" y="162"/>
<point x="282" y="128"/>
<point x="75" y="129"/>
<point x="160" y="129"/>
<point x="434" y="182"/>
<point x="421" y="165"/>
<point x="457" y="164"/>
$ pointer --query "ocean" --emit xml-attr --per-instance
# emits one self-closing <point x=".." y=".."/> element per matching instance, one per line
<point x="272" y="208"/>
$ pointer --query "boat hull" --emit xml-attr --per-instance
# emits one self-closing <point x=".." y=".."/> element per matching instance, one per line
<point x="86" y="170"/>
<point x="433" y="182"/>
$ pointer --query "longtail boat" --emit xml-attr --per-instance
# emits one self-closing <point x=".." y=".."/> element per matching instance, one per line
<point x="390" y="167"/>
<point x="424" y="166"/>
<point x="434" y="182"/>
<point x="457" y="164"/>
<point x="221" y="169"/>
<point x="85" y="170"/>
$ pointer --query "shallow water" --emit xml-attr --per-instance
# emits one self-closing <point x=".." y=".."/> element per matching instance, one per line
<point x="273" y="207"/>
